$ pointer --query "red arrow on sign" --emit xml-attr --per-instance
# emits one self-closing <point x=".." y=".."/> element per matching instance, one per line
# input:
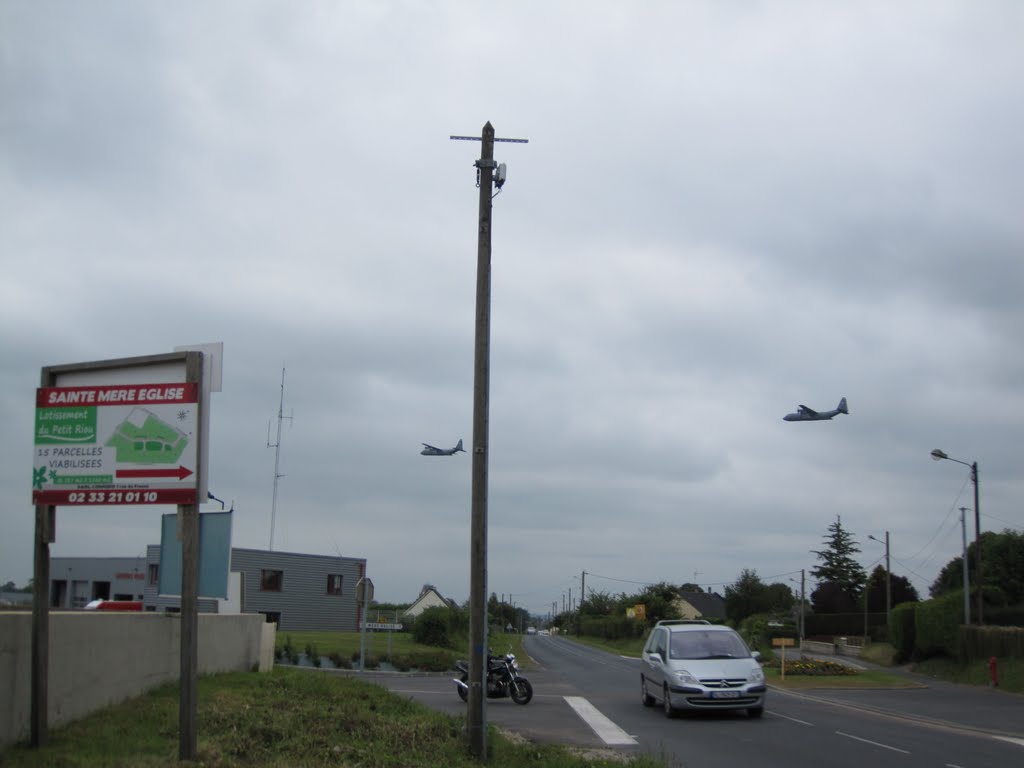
<point x="181" y="473"/>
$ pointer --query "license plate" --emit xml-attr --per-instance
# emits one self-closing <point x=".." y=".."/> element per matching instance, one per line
<point x="724" y="694"/>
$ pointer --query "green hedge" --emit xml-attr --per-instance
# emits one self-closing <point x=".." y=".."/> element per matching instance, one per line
<point x="985" y="642"/>
<point x="838" y="624"/>
<point x="937" y="623"/>
<point x="611" y="628"/>
<point x="901" y="630"/>
<point x="1012" y="616"/>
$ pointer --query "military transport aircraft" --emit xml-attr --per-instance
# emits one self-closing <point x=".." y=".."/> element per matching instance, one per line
<point x="429" y="450"/>
<point x="809" y="414"/>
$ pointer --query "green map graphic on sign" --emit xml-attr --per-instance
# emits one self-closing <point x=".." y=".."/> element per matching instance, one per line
<point x="142" y="438"/>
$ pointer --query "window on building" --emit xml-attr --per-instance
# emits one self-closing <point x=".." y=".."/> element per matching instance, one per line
<point x="271" y="581"/>
<point x="154" y="573"/>
<point x="334" y="584"/>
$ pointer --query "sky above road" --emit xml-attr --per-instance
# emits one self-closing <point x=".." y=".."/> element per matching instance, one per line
<point x="725" y="209"/>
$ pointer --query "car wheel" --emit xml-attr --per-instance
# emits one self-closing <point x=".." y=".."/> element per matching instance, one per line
<point x="670" y="710"/>
<point x="645" y="696"/>
<point x="755" y="711"/>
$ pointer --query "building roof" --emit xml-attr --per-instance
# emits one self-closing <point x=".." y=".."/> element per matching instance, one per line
<point x="710" y="605"/>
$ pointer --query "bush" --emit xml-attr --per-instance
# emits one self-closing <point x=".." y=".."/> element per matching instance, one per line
<point x="611" y="628"/>
<point x="431" y="627"/>
<point x="340" y="661"/>
<point x="937" y="623"/>
<point x="901" y="631"/>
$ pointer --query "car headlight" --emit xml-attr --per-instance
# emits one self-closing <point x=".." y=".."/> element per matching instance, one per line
<point x="686" y="678"/>
<point x="756" y="675"/>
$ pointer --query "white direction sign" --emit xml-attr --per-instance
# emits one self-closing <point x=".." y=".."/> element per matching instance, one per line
<point x="116" y="444"/>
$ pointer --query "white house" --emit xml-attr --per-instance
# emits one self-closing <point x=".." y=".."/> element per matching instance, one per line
<point x="429" y="598"/>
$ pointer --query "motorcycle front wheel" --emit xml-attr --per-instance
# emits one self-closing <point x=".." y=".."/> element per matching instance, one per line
<point x="463" y="691"/>
<point x="521" y="690"/>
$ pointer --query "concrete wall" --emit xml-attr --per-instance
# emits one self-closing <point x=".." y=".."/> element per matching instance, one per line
<point x="98" y="659"/>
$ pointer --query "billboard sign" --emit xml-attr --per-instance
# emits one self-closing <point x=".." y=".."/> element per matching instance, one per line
<point x="116" y="444"/>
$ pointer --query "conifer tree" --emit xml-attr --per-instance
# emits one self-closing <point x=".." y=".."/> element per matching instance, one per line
<point x="837" y="564"/>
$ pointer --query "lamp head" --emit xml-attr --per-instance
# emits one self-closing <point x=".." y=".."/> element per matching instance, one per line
<point x="938" y="453"/>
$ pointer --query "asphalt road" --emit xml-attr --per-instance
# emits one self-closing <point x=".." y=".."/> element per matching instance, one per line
<point x="590" y="698"/>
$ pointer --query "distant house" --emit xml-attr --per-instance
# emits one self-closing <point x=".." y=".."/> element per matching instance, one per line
<point x="700" y="605"/>
<point x="429" y="598"/>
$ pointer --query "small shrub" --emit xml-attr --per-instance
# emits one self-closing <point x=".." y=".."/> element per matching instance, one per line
<point x="339" y="661"/>
<point x="313" y="655"/>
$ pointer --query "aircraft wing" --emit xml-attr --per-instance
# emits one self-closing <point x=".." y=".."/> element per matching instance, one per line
<point x="431" y="447"/>
<point x="805" y="411"/>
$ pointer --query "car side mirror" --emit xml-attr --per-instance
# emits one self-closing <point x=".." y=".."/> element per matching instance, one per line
<point x="756" y="655"/>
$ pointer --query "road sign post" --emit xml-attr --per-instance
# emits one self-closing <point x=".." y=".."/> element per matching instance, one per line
<point x="364" y="595"/>
<point x="120" y="432"/>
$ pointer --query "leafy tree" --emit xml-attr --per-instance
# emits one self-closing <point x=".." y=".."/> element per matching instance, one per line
<point x="660" y="601"/>
<point x="598" y="604"/>
<point x="1002" y="559"/>
<point x="902" y="590"/>
<point x="838" y="567"/>
<point x="749" y="596"/>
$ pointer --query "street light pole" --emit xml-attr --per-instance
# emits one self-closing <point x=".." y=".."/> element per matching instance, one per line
<point x="939" y="454"/>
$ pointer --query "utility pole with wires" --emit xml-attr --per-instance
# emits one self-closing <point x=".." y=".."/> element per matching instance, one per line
<point x="489" y="175"/>
<point x="276" y="445"/>
<point x="967" y="586"/>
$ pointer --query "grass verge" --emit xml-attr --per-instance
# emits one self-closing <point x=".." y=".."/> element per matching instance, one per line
<point x="288" y="718"/>
<point x="1011" y="672"/>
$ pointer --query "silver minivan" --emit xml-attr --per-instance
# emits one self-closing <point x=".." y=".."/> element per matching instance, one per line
<point x="697" y="665"/>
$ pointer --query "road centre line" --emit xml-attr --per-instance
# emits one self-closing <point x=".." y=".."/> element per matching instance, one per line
<point x="608" y="731"/>
<point x="872" y="743"/>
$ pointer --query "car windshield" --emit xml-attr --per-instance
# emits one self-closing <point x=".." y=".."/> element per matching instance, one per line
<point x="707" y="645"/>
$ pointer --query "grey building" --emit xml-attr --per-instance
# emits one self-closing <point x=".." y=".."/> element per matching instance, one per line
<point x="296" y="591"/>
<point x="76" y="581"/>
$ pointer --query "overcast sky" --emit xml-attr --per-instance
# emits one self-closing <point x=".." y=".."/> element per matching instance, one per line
<point x="725" y="209"/>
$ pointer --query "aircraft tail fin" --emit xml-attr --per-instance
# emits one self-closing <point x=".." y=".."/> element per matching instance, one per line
<point x="459" y="447"/>
<point x="842" y="406"/>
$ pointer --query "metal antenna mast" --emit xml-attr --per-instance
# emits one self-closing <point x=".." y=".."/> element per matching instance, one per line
<point x="277" y="459"/>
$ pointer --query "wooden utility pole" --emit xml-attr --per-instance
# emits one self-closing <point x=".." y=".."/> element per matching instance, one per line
<point x="476" y="717"/>
<point x="188" y="533"/>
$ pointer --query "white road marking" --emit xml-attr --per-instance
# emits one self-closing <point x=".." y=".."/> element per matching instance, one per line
<point x="1012" y="740"/>
<point x="787" y="717"/>
<point x="872" y="743"/>
<point x="609" y="732"/>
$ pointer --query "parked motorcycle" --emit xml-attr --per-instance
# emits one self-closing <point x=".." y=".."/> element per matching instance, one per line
<point x="503" y="679"/>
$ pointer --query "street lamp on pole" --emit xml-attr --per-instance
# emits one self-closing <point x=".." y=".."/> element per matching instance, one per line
<point x="938" y="455"/>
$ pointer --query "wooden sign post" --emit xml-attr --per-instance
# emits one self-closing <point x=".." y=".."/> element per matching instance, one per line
<point x="783" y="643"/>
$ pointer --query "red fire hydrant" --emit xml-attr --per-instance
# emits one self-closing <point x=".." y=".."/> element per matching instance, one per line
<point x="993" y="668"/>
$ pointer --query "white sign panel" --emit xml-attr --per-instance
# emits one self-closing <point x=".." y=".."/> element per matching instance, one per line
<point x="116" y="444"/>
